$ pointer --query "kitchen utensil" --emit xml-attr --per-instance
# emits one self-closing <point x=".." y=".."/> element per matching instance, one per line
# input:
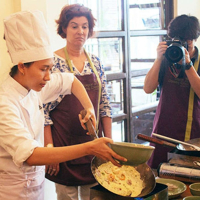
<point x="89" y="125"/>
<point x="128" y="150"/>
<point x="192" y="198"/>
<point x="175" y="188"/>
<point x="190" y="146"/>
<point x="135" y="154"/>
<point x="195" y="189"/>
<point x="155" y="140"/>
<point x="98" y="192"/>
<point x="181" y="147"/>
<point x="145" y="171"/>
<point x="181" y="173"/>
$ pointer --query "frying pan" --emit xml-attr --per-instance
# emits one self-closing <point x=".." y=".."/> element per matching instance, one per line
<point x="182" y="145"/>
<point x="145" y="171"/>
<point x="180" y="148"/>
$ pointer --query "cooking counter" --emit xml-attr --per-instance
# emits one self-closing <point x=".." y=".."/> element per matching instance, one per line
<point x="185" y="194"/>
<point x="100" y="193"/>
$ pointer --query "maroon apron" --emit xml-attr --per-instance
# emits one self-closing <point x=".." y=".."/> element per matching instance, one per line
<point x="171" y="114"/>
<point x="67" y="130"/>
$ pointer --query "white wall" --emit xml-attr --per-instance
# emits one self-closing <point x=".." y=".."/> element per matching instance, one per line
<point x="189" y="8"/>
<point x="7" y="7"/>
<point x="51" y="10"/>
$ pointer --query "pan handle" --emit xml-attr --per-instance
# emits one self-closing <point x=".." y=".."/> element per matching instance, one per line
<point x="89" y="125"/>
<point x="155" y="140"/>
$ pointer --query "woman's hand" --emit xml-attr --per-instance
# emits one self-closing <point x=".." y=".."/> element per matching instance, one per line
<point x="89" y="115"/>
<point x="52" y="169"/>
<point x="187" y="56"/>
<point x="161" y="48"/>
<point x="99" y="147"/>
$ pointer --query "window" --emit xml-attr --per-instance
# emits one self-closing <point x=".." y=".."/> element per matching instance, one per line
<point x="128" y="33"/>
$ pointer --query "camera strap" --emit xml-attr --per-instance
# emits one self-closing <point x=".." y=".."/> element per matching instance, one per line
<point x="191" y="105"/>
<point x="176" y="70"/>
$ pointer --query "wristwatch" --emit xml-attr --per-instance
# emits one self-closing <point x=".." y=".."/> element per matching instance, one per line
<point x="188" y="65"/>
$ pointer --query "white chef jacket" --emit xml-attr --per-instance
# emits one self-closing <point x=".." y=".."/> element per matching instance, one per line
<point x="21" y="131"/>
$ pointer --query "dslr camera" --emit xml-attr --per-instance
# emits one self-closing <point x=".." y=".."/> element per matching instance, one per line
<point x="175" y="50"/>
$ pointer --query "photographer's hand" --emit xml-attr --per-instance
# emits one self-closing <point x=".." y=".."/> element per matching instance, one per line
<point x="151" y="79"/>
<point x="161" y="48"/>
<point x="187" y="57"/>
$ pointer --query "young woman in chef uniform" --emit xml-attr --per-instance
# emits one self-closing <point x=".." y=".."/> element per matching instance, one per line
<point x="22" y="94"/>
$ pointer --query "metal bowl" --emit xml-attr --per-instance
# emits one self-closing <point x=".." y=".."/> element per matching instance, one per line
<point x="145" y="171"/>
<point x="135" y="154"/>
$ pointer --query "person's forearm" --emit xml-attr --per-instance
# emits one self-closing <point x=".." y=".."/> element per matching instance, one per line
<point x="45" y="155"/>
<point x="79" y="91"/>
<point x="47" y="136"/>
<point x="151" y="79"/>
<point x="194" y="80"/>
<point x="107" y="126"/>
<point x="98" y="147"/>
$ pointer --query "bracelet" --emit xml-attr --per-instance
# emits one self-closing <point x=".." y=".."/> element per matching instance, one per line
<point x="49" y="145"/>
<point x="188" y="65"/>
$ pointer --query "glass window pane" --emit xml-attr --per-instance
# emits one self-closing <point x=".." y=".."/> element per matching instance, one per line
<point x="143" y="1"/>
<point x="139" y="97"/>
<point x="115" y="91"/>
<point x="109" y="50"/>
<point x="146" y="14"/>
<point x="107" y="13"/>
<point x="141" y="65"/>
<point x="144" y="47"/>
<point x="118" y="131"/>
<point x="142" y="124"/>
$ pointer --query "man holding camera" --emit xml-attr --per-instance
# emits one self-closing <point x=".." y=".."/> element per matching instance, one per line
<point x="176" y="70"/>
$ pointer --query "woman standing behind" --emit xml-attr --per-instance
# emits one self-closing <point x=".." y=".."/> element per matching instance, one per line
<point x="76" y="24"/>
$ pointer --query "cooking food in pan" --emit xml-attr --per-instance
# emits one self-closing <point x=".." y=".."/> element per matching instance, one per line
<point x="124" y="180"/>
<point x="146" y="176"/>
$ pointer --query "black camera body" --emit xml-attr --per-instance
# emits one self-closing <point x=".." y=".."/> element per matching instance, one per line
<point x="175" y="50"/>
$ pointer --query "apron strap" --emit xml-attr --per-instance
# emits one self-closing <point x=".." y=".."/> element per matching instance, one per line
<point x="68" y="61"/>
<point x="190" y="107"/>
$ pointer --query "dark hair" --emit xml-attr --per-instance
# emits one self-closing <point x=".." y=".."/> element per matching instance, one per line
<point x="14" y="69"/>
<point x="68" y="12"/>
<point x="185" y="27"/>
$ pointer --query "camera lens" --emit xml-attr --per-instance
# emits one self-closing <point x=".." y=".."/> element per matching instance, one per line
<point x="174" y="53"/>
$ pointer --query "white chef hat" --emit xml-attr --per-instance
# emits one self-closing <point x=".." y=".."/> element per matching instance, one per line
<point x="27" y="37"/>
